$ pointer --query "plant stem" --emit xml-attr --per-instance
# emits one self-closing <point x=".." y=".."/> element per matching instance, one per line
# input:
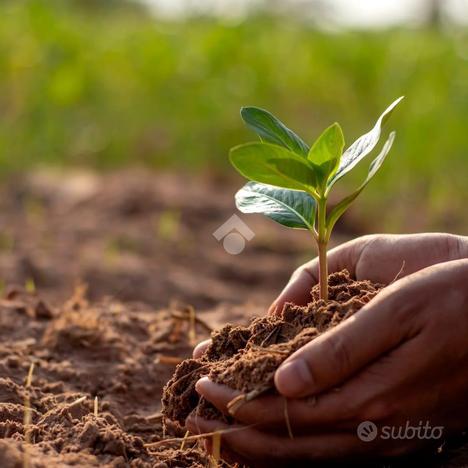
<point x="322" y="243"/>
<point x="323" y="270"/>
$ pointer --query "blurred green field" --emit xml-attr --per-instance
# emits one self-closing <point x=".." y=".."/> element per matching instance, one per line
<point x="117" y="87"/>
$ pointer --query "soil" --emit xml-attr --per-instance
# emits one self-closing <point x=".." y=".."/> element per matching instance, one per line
<point x="139" y="236"/>
<point x="245" y="358"/>
<point x="100" y="276"/>
<point x="110" y="351"/>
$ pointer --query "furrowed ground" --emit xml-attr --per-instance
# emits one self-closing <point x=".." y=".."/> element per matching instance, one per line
<point x="100" y="274"/>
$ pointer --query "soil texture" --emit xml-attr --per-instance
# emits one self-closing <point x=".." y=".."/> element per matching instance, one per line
<point x="106" y="282"/>
<point x="245" y="358"/>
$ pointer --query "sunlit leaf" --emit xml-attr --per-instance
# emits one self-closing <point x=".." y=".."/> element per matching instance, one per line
<point x="272" y="130"/>
<point x="363" y="145"/>
<point x="343" y="205"/>
<point x="291" y="208"/>
<point x="273" y="165"/>
<point x="325" y="153"/>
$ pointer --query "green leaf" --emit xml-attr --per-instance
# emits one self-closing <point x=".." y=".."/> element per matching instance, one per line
<point x="272" y="130"/>
<point x="326" y="152"/>
<point x="363" y="145"/>
<point x="344" y="204"/>
<point x="328" y="145"/>
<point x="291" y="208"/>
<point x="273" y="165"/>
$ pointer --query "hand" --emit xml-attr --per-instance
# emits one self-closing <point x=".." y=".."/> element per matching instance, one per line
<point x="413" y="369"/>
<point x="379" y="258"/>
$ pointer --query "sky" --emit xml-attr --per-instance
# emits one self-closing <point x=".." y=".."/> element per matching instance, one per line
<point x="353" y="13"/>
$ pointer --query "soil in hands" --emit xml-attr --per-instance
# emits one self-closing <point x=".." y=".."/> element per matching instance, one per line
<point x="245" y="358"/>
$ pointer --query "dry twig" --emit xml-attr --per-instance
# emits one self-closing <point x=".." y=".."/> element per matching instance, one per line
<point x="27" y="416"/>
<point x="182" y="445"/>
<point x="286" y="418"/>
<point x="216" y="449"/>
<point x="234" y="405"/>
<point x="169" y="360"/>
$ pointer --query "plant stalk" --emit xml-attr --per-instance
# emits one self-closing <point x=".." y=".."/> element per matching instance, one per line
<point x="322" y="243"/>
<point x="323" y="270"/>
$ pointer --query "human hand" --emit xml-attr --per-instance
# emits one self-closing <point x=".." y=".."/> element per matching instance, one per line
<point x="379" y="258"/>
<point x="412" y="369"/>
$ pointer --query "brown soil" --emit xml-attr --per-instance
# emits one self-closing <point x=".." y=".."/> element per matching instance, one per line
<point x="132" y="236"/>
<point x="81" y="351"/>
<point x="139" y="236"/>
<point x="245" y="358"/>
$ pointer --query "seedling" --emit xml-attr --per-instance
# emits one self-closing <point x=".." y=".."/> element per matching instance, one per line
<point x="291" y="182"/>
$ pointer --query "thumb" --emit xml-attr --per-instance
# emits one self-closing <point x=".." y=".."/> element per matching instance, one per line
<point x="342" y="351"/>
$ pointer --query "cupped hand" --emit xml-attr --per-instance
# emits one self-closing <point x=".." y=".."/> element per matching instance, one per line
<point x="402" y="359"/>
<point x="379" y="257"/>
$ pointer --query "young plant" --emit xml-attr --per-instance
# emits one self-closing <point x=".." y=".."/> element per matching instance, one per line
<point x="291" y="182"/>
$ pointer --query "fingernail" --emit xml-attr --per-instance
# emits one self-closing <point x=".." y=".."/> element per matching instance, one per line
<point x="272" y="309"/>
<point x="293" y="378"/>
<point x="202" y="382"/>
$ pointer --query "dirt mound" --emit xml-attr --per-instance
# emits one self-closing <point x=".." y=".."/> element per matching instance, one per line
<point x="246" y="358"/>
<point x="134" y="235"/>
<point x="97" y="377"/>
<point x="123" y="354"/>
<point x="138" y="236"/>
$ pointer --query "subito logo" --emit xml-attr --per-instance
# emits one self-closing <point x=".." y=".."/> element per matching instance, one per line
<point x="367" y="431"/>
<point x="234" y="233"/>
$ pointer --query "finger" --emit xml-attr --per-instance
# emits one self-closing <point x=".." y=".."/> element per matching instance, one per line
<point x="363" y="397"/>
<point x="298" y="288"/>
<point x="340" y="352"/>
<point x="200" y="348"/>
<point x="276" y="412"/>
<point x="252" y="444"/>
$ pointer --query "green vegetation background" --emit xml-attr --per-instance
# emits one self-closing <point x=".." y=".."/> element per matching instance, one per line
<point x="116" y="87"/>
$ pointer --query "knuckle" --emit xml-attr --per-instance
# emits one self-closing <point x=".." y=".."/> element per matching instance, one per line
<point x="298" y="272"/>
<point x="304" y="271"/>
<point x="451" y="246"/>
<point x="460" y="247"/>
<point x="368" y="238"/>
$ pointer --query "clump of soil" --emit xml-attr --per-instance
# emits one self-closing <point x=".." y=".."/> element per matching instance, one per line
<point x="81" y="350"/>
<point x="123" y="354"/>
<point x="246" y="358"/>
